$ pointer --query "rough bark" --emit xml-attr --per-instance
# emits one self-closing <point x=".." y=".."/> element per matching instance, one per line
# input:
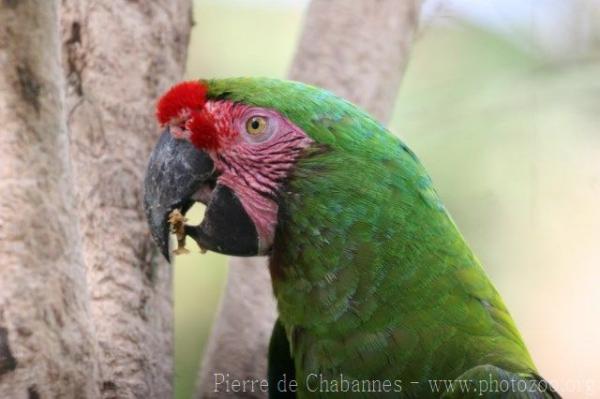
<point x="46" y="347"/>
<point x="359" y="50"/>
<point x="118" y="57"/>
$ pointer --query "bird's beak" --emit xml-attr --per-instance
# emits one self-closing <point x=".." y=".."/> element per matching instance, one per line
<point x="178" y="175"/>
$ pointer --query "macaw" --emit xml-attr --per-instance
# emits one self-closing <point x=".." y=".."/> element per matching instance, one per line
<point x="378" y="293"/>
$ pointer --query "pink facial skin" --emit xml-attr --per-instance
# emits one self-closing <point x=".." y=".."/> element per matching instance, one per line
<point x="253" y="166"/>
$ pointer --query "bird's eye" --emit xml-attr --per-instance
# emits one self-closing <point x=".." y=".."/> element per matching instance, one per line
<point x="256" y="125"/>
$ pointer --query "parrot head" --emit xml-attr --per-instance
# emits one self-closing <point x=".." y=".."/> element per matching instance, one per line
<point x="221" y="148"/>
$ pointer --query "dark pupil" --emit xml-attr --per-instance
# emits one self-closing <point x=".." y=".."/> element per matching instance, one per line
<point x="255" y="124"/>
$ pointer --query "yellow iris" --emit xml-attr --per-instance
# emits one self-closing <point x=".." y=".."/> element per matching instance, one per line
<point x="256" y="125"/>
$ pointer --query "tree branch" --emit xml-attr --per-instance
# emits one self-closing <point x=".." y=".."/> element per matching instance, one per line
<point x="357" y="49"/>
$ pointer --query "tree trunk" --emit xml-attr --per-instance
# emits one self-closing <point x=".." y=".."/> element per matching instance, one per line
<point x="358" y="50"/>
<point x="46" y="348"/>
<point x="118" y="56"/>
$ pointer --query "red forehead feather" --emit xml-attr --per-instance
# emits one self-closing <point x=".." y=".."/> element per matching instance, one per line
<point x="204" y="133"/>
<point x="185" y="96"/>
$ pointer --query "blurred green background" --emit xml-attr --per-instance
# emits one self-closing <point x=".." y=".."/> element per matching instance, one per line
<point x="505" y="118"/>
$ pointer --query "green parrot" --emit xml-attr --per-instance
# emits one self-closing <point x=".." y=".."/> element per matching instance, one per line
<point x="377" y="291"/>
